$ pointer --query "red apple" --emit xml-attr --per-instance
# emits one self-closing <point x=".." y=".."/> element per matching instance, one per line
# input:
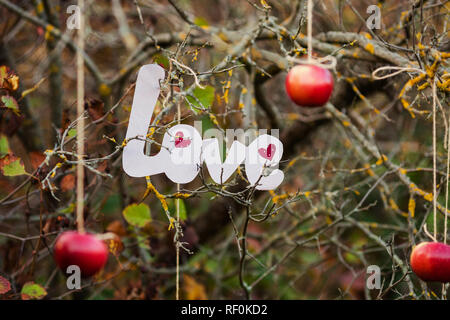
<point x="309" y="85"/>
<point x="430" y="261"/>
<point x="82" y="249"/>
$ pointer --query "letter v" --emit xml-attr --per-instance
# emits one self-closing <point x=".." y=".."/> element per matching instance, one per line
<point x="221" y="172"/>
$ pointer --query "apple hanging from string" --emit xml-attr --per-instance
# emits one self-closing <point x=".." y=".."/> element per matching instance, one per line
<point x="309" y="85"/>
<point x="84" y="250"/>
<point x="430" y="261"/>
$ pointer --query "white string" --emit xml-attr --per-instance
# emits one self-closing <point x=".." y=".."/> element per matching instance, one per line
<point x="80" y="123"/>
<point x="178" y="224"/>
<point x="309" y="31"/>
<point x="327" y="62"/>
<point x="197" y="83"/>
<point x="397" y="71"/>
<point x="444" y="292"/>
<point x="434" y="160"/>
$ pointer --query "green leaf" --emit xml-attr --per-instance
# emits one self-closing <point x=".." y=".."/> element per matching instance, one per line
<point x="112" y="204"/>
<point x="205" y="96"/>
<point x="172" y="203"/>
<point x="183" y="212"/>
<point x="211" y="265"/>
<point x="5" y="286"/>
<point x="137" y="215"/>
<point x="351" y="258"/>
<point x="4" y="146"/>
<point x="161" y="60"/>
<point x="33" y="291"/>
<point x="201" y="22"/>
<point x="72" y="133"/>
<point x="68" y="210"/>
<point x="206" y="124"/>
<point x="143" y="242"/>
<point x="11" y="103"/>
<point x="106" y="294"/>
<point x="12" y="166"/>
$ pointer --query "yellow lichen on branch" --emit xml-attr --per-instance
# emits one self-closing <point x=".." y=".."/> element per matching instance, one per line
<point x="370" y="48"/>
<point x="151" y="188"/>
<point x="180" y="195"/>
<point x="426" y="195"/>
<point x="171" y="226"/>
<point x="411" y="206"/>
<point x="277" y="198"/>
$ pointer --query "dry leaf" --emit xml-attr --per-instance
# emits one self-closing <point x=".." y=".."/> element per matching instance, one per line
<point x="5" y="286"/>
<point x="193" y="290"/>
<point x="8" y="80"/>
<point x="36" y="159"/>
<point x="65" y="119"/>
<point x="95" y="108"/>
<point x="67" y="182"/>
<point x="116" y="227"/>
<point x="112" y="240"/>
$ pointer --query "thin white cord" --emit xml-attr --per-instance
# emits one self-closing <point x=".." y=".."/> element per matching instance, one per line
<point x="80" y="123"/>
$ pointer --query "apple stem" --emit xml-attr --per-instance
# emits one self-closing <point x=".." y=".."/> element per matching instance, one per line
<point x="80" y="122"/>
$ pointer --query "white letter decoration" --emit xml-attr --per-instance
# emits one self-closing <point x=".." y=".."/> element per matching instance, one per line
<point x="183" y="150"/>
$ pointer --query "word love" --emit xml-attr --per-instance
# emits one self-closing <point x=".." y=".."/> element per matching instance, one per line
<point x="183" y="150"/>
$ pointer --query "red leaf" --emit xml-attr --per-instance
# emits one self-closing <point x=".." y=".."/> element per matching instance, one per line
<point x="36" y="159"/>
<point x="10" y="103"/>
<point x="5" y="286"/>
<point x="68" y="182"/>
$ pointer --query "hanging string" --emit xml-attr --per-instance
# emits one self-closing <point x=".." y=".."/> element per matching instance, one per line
<point x="327" y="62"/>
<point x="434" y="161"/>
<point x="398" y="70"/>
<point x="446" y="189"/>
<point x="178" y="224"/>
<point x="444" y="291"/>
<point x="309" y="31"/>
<point x="80" y="123"/>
